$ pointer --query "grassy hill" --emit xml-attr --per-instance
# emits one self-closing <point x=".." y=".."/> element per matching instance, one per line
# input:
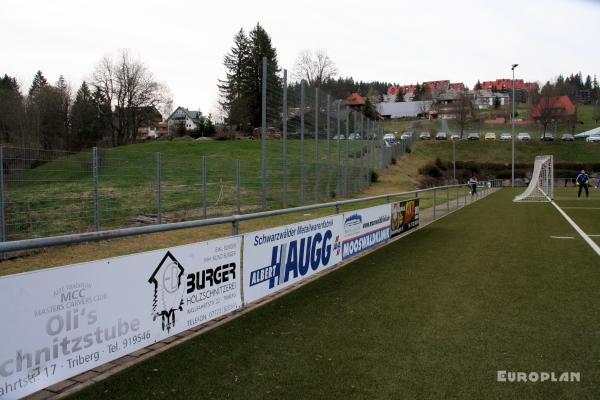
<point x="500" y="152"/>
<point x="57" y="196"/>
<point x="50" y="194"/>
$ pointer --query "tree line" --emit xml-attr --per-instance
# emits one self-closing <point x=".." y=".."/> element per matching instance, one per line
<point x="121" y="95"/>
<point x="240" y="90"/>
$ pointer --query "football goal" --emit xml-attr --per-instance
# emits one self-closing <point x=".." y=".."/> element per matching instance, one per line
<point x="541" y="186"/>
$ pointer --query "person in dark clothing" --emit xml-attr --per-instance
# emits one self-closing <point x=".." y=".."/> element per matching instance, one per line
<point x="583" y="180"/>
<point x="473" y="185"/>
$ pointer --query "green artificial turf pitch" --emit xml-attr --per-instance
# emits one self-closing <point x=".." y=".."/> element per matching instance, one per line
<point x="433" y="315"/>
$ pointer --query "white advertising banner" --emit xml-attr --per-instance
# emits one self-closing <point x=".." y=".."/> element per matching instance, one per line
<point x="365" y="228"/>
<point x="278" y="257"/>
<point x="60" y="322"/>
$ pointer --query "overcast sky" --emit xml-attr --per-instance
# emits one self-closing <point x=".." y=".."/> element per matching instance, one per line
<point x="183" y="42"/>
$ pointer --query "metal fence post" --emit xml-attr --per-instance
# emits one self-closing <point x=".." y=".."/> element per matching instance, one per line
<point x="347" y="162"/>
<point x="434" y="201"/>
<point x="96" y="199"/>
<point x="238" y="184"/>
<point x="285" y="122"/>
<point x="339" y="149"/>
<point x="447" y="200"/>
<point x="158" y="183"/>
<point x="302" y="108"/>
<point x="204" y="194"/>
<point x="2" y="214"/>
<point x="316" y="151"/>
<point x="457" y="199"/>
<point x="328" y="133"/>
<point x="264" y="135"/>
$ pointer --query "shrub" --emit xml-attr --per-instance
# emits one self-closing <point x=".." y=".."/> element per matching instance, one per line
<point x="374" y="176"/>
<point x="394" y="160"/>
<point x="225" y="136"/>
<point x="431" y="170"/>
<point x="440" y="164"/>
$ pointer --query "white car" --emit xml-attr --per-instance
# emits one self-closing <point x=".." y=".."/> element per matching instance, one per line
<point x="523" y="136"/>
<point x="406" y="136"/>
<point x="441" y="136"/>
<point x="593" y="138"/>
<point x="505" y="136"/>
<point x="425" y="136"/>
<point x="454" y="136"/>
<point x="389" y="136"/>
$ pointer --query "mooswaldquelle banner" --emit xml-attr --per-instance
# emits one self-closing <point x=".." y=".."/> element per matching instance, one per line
<point x="60" y="322"/>
<point x="364" y="229"/>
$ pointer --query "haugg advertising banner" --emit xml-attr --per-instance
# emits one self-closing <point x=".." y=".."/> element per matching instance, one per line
<point x="60" y="322"/>
<point x="405" y="216"/>
<point x="278" y="257"/>
<point x="364" y="229"/>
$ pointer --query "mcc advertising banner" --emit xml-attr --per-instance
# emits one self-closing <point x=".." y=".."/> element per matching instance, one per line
<point x="60" y="322"/>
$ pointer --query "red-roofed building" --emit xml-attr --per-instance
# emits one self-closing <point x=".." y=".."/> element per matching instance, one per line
<point x="522" y="88"/>
<point x="556" y="107"/>
<point x="355" y="101"/>
<point x="393" y="90"/>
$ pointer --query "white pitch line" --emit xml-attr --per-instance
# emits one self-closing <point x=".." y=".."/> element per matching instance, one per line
<point x="583" y="235"/>
<point x="562" y="237"/>
<point x="583" y="208"/>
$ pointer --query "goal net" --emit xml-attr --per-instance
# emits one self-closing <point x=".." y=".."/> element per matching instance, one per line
<point x="541" y="186"/>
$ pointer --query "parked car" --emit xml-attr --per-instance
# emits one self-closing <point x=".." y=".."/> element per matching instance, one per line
<point x="406" y="136"/>
<point x="339" y="137"/>
<point x="354" y="136"/>
<point x="505" y="136"/>
<point x="441" y="136"/>
<point x="593" y="138"/>
<point x="567" y="137"/>
<point x="454" y="136"/>
<point x="490" y="136"/>
<point x="523" y="136"/>
<point x="389" y="136"/>
<point x="425" y="136"/>
<point x="473" y="136"/>
<point x="548" y="137"/>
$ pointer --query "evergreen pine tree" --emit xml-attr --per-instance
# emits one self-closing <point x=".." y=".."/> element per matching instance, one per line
<point x="11" y="111"/>
<point x="417" y="92"/>
<point x="233" y="88"/>
<point x="39" y="81"/>
<point x="399" y="95"/>
<point x="86" y="125"/>
<point x="261" y="46"/>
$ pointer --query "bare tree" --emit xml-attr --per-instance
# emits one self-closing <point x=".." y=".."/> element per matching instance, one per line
<point x="315" y="67"/>
<point x="545" y="110"/>
<point x="463" y="110"/>
<point x="129" y="87"/>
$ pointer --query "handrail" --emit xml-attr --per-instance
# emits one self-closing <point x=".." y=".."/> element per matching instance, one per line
<point x="26" y="244"/>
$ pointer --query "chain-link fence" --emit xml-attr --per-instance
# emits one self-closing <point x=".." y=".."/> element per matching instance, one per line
<point x="310" y="148"/>
<point x="45" y="193"/>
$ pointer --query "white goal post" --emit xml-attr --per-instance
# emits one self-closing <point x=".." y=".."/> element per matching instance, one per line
<point x="541" y="186"/>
